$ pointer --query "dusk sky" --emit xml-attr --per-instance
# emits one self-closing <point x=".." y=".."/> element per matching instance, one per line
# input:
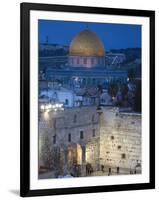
<point x="114" y="36"/>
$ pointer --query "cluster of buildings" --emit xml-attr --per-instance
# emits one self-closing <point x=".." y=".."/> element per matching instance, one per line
<point x="76" y="82"/>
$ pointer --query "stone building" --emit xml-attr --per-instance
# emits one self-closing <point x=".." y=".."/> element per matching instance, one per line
<point x="105" y="138"/>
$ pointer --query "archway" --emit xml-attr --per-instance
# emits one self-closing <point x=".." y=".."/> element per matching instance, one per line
<point x="74" y="159"/>
<point x="74" y="155"/>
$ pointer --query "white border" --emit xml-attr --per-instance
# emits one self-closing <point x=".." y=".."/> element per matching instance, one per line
<point x="85" y="181"/>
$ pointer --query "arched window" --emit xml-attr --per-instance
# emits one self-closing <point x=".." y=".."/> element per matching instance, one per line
<point x="69" y="137"/>
<point x="54" y="139"/>
<point x="81" y="135"/>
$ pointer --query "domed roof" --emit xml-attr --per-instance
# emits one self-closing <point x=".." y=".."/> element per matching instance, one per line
<point x="86" y="43"/>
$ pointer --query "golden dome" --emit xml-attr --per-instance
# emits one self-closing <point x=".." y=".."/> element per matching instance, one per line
<point x="86" y="43"/>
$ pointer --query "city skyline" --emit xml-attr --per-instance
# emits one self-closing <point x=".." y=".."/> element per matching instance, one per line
<point x="114" y="36"/>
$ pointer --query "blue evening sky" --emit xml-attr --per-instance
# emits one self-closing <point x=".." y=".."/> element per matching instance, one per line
<point x="114" y="36"/>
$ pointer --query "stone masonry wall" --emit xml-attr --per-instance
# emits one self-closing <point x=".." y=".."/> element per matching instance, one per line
<point x="120" y="139"/>
<point x="70" y="121"/>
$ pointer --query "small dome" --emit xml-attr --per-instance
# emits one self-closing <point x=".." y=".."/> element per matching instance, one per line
<point x="86" y="43"/>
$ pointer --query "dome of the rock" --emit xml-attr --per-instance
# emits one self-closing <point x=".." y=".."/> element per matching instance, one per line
<point x="86" y="43"/>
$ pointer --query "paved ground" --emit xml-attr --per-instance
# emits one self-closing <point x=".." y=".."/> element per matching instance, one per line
<point x="50" y="174"/>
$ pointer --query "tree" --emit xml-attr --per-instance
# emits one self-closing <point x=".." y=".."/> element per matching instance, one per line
<point x="137" y="100"/>
<point x="52" y="156"/>
<point x="131" y="73"/>
<point x="47" y="153"/>
<point x="124" y="90"/>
